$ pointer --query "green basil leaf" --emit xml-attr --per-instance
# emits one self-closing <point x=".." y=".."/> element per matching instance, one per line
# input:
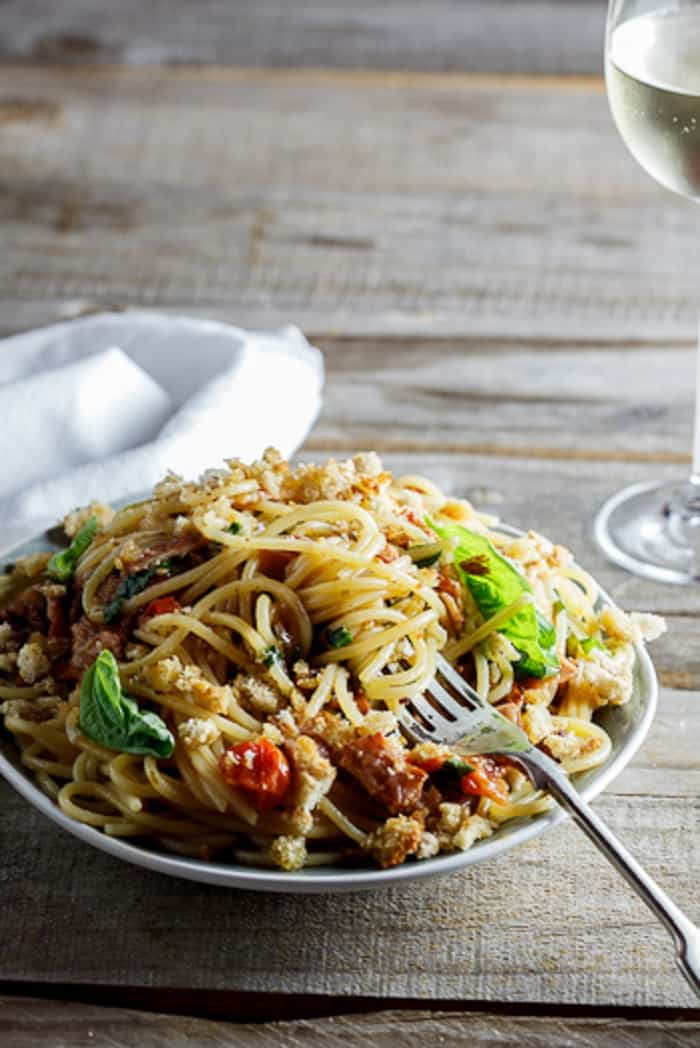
<point x="128" y="587"/>
<point x="233" y="528"/>
<point x="495" y="583"/>
<point x="113" y="719"/>
<point x="62" y="565"/>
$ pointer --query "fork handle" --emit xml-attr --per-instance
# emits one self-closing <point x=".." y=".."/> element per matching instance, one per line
<point x="686" y="934"/>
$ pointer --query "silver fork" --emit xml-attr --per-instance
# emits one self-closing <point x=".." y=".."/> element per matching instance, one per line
<point x="453" y="714"/>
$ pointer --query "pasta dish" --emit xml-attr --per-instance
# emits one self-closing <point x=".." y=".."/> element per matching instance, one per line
<point x="219" y="668"/>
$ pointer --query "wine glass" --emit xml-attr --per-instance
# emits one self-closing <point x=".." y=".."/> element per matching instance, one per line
<point x="652" y="73"/>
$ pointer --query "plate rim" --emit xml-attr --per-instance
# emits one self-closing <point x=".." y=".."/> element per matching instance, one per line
<point x="338" y="879"/>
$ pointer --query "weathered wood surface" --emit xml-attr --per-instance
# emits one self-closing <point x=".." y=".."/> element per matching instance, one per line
<point x="24" y="1023"/>
<point x="507" y="304"/>
<point x="351" y="203"/>
<point x="550" y="36"/>
<point x="550" y="922"/>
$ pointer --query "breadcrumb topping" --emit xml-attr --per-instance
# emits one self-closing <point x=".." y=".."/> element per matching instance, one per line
<point x="78" y="518"/>
<point x="32" y="663"/>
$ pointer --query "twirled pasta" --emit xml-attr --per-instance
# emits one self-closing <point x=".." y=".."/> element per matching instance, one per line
<point x="288" y="610"/>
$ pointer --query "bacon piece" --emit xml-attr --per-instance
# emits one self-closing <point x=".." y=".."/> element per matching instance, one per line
<point x="88" y="640"/>
<point x="274" y="562"/>
<point x="27" y="610"/>
<point x="162" y="548"/>
<point x="383" y="772"/>
<point x="41" y="606"/>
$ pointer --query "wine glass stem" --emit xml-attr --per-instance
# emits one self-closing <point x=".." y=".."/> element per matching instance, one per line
<point x="695" y="472"/>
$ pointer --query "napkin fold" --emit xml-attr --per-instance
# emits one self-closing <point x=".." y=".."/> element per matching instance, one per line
<point x="102" y="407"/>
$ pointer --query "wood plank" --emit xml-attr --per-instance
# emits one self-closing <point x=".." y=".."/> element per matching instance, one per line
<point x="358" y="204"/>
<point x="25" y="1022"/>
<point x="497" y="35"/>
<point x="525" y="398"/>
<point x="466" y="937"/>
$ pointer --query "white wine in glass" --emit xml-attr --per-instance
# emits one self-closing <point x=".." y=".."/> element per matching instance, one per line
<point x="652" y="72"/>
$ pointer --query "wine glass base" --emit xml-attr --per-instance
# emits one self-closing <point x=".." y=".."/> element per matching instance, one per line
<point x="653" y="530"/>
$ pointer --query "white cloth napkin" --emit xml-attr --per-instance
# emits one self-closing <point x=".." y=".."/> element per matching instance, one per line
<point x="102" y="407"/>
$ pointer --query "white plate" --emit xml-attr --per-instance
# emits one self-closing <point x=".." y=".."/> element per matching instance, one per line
<point x="627" y="726"/>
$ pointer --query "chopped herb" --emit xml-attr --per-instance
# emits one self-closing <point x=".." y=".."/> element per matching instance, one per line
<point x="127" y="588"/>
<point x="131" y="585"/>
<point x="557" y="607"/>
<point x="61" y="566"/>
<point x="495" y="583"/>
<point x="339" y="638"/>
<point x="271" y="656"/>
<point x="113" y="719"/>
<point x="233" y="528"/>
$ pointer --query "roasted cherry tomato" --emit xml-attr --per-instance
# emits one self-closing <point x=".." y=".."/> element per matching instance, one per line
<point x="259" y="769"/>
<point x="486" y="780"/>
<point x="161" y="606"/>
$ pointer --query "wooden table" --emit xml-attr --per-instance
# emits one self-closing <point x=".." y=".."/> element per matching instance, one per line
<point x="506" y="303"/>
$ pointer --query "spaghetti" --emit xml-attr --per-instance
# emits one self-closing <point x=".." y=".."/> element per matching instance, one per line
<point x="218" y="668"/>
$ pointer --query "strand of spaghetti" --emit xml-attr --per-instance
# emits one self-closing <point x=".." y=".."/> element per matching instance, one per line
<point x="180" y="704"/>
<point x="578" y="709"/>
<point x="346" y="701"/>
<point x="161" y="650"/>
<point x="172" y="584"/>
<point x="584" y="580"/>
<point x="491" y="625"/>
<point x="374" y="613"/>
<point x="321" y="692"/>
<point x="264" y="652"/>
<point x="223" y="796"/>
<point x="33" y="691"/>
<point x="376" y="640"/>
<point x="221" y="567"/>
<point x="506" y="678"/>
<point x="119" y="772"/>
<point x="257" y="583"/>
<point x="596" y="743"/>
<point x="329" y="616"/>
<point x="325" y="550"/>
<point x="31" y="759"/>
<point x="373" y="663"/>
<point x="172" y="790"/>
<point x="90" y="604"/>
<point x="483" y="683"/>
<point x="163" y="824"/>
<point x="332" y="511"/>
<point x="340" y="820"/>
<point x="420" y="484"/>
<point x="263" y="606"/>
<point x="199" y="627"/>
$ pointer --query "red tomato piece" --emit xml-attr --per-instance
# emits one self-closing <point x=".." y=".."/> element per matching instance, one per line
<point x="259" y="769"/>
<point x="161" y="606"/>
<point x="486" y="780"/>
